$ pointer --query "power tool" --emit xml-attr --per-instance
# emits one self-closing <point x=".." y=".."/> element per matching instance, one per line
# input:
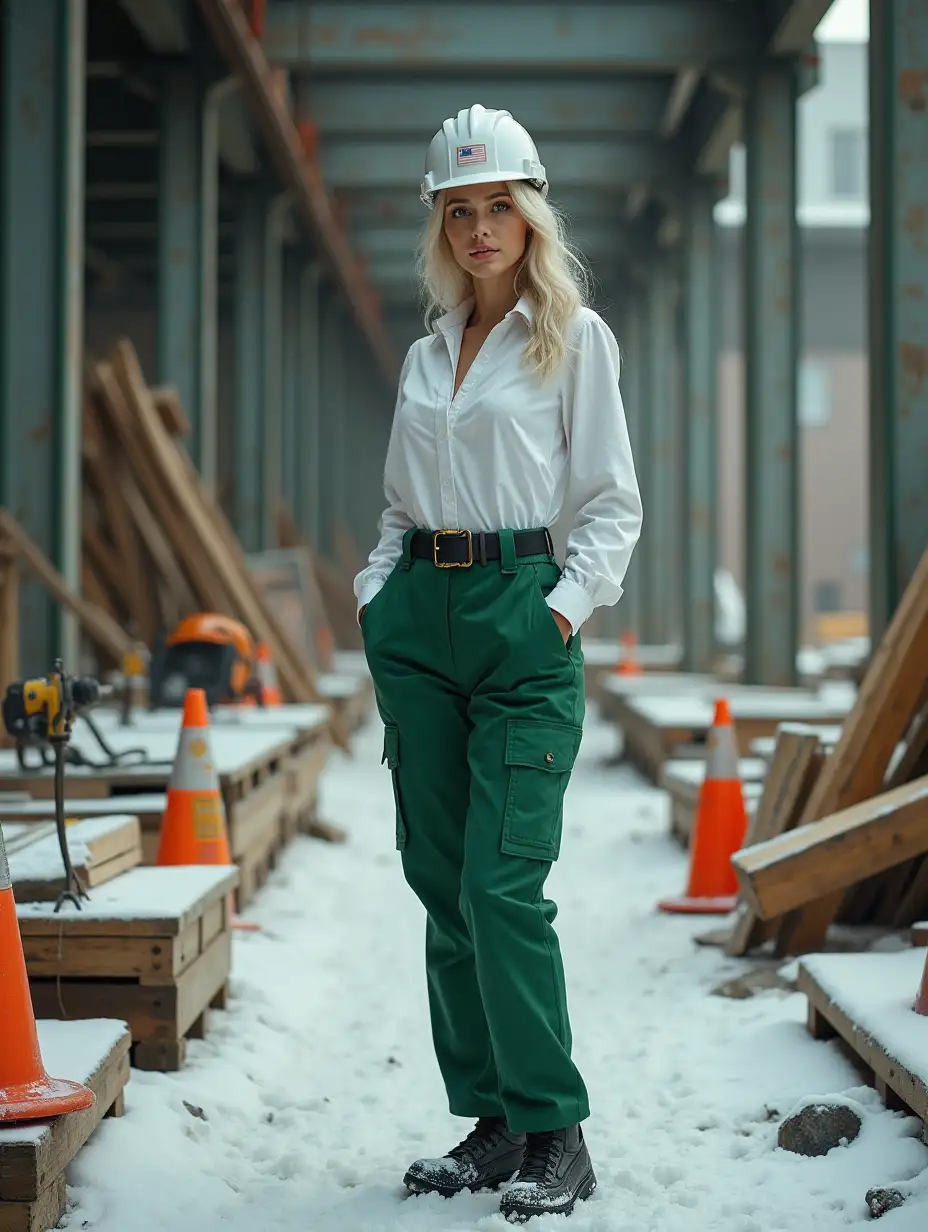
<point x="39" y="713"/>
<point x="207" y="651"/>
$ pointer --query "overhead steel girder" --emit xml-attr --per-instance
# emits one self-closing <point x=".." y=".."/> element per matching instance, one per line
<point x="340" y="37"/>
<point x="417" y="108"/>
<point x="615" y="164"/>
<point x="403" y="241"/>
<point x="162" y="23"/>
<point x="793" y="22"/>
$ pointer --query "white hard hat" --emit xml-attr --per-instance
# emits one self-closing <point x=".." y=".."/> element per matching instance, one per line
<point x="480" y="146"/>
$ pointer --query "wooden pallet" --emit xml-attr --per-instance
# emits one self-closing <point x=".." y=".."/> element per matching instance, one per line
<point x="100" y="849"/>
<point x="683" y="779"/>
<point x="351" y="698"/>
<point x="250" y="768"/>
<point x="34" y="1157"/>
<point x="865" y="1000"/>
<point x="152" y="948"/>
<point x="658" y="728"/>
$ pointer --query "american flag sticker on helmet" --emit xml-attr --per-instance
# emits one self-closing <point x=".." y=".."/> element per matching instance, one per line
<point x="471" y="154"/>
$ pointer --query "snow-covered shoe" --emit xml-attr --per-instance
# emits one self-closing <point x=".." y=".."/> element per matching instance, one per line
<point x="555" y="1174"/>
<point x="487" y="1157"/>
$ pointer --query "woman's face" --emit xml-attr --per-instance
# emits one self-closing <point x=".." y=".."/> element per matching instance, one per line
<point x="486" y="232"/>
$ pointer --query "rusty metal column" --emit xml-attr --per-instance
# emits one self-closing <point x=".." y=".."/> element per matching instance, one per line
<point x="42" y="89"/>
<point x="663" y="576"/>
<point x="771" y="262"/>
<point x="180" y="240"/>
<point x="898" y="301"/>
<point x="700" y="316"/>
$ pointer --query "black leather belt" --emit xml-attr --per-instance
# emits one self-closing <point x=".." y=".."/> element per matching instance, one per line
<point x="457" y="549"/>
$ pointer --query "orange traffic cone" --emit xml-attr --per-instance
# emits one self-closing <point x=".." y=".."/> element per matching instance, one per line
<point x="26" y="1091"/>
<point x="628" y="664"/>
<point x="193" y="829"/>
<point x="267" y="675"/>
<point x="721" y="822"/>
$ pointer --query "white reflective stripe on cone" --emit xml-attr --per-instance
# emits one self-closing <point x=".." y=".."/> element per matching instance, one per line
<point x="722" y="761"/>
<point x="6" y="881"/>
<point x="194" y="769"/>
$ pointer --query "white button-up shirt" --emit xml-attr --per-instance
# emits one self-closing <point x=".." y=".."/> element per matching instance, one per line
<point x="508" y="449"/>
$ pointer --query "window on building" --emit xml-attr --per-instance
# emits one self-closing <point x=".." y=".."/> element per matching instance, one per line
<point x="814" y="394"/>
<point x="848" y="163"/>
<point x="827" y="597"/>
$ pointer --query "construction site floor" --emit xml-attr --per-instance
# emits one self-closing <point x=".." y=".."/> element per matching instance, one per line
<point x="314" y="1090"/>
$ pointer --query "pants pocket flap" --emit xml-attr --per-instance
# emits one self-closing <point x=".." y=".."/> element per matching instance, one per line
<point x="391" y="747"/>
<point x="542" y="746"/>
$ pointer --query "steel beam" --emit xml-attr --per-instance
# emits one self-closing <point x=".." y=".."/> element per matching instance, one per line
<point x="162" y="23"/>
<point x="663" y="461"/>
<point x="632" y="383"/>
<point x="291" y="410"/>
<point x="248" y="401"/>
<point x="306" y="509"/>
<point x="610" y="165"/>
<point x="898" y="301"/>
<point x="793" y="22"/>
<point x="771" y="337"/>
<point x="333" y="367"/>
<point x="181" y="242"/>
<point x="41" y="303"/>
<point x="352" y="37"/>
<point x="402" y="108"/>
<point x="700" y="317"/>
<point x="272" y="434"/>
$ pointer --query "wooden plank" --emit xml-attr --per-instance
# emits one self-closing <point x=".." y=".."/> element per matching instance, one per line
<point x="855" y="771"/>
<point x="30" y="1162"/>
<point x="174" y="594"/>
<point x="39" y="1216"/>
<point x="96" y="622"/>
<point x="171" y="410"/>
<point x="208" y="534"/>
<point x="796" y="765"/>
<point x="100" y="849"/>
<point x="822" y="858"/>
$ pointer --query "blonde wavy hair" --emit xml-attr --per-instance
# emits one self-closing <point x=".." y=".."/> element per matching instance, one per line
<point x="551" y="274"/>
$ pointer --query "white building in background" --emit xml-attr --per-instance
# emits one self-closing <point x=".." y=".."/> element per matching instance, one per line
<point x="833" y="214"/>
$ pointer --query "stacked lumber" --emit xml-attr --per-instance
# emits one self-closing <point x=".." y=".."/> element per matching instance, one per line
<point x="842" y="836"/>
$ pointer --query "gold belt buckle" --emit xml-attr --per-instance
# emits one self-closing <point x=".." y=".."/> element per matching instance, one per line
<point x="452" y="564"/>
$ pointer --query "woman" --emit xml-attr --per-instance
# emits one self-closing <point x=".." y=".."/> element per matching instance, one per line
<point x="472" y="635"/>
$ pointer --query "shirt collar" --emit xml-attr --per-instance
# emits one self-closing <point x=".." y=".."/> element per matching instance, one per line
<point x="458" y="316"/>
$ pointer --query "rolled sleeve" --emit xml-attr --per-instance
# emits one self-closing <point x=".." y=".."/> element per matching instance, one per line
<point x="603" y="495"/>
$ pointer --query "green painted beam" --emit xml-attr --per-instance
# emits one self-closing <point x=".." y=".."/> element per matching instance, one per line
<point x="248" y="399"/>
<point x="700" y="343"/>
<point x="310" y="404"/>
<point x="330" y="37"/>
<point x="898" y="301"/>
<point x="771" y="337"/>
<point x="42" y="92"/>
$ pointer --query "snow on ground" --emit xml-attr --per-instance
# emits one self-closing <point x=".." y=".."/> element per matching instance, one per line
<point x="311" y="1095"/>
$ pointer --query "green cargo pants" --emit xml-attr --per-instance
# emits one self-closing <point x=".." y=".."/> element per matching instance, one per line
<point x="483" y="707"/>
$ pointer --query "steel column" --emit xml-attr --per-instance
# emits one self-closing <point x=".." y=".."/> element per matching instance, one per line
<point x="898" y="301"/>
<point x="291" y="408"/>
<point x="41" y="302"/>
<point x="209" y="280"/>
<point x="249" y="364"/>
<point x="307" y="498"/>
<point x="181" y="242"/>
<point x="701" y="311"/>
<point x="663" y="456"/>
<point x="271" y="444"/>
<point x="331" y="420"/>
<point x="632" y="384"/>
<point x="771" y="351"/>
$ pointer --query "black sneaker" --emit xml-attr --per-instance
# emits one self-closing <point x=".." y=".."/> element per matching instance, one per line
<point x="487" y="1157"/>
<point x="555" y="1174"/>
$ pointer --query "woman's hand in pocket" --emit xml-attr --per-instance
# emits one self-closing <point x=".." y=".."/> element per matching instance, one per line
<point x="562" y="623"/>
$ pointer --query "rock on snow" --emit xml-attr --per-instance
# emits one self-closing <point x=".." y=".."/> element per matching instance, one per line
<point x="318" y="1086"/>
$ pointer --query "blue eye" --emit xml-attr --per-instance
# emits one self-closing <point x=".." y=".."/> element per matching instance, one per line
<point x="501" y="205"/>
<point x="459" y="211"/>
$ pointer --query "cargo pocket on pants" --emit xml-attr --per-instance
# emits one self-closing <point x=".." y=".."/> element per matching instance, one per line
<point x="391" y="755"/>
<point x="540" y="757"/>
